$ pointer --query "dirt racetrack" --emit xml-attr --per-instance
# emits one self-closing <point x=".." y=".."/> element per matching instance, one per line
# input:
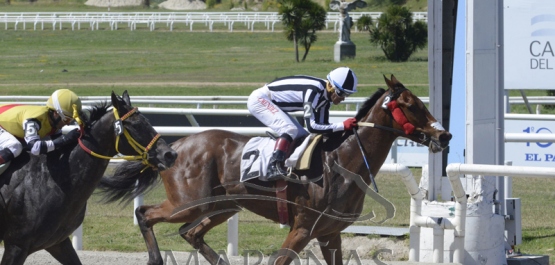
<point x="365" y="247"/>
<point x="120" y="258"/>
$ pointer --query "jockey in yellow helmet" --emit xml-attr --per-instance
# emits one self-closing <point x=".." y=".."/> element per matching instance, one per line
<point x="28" y="127"/>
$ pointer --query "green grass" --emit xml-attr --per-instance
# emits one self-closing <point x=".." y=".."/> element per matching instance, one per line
<point x="142" y="56"/>
<point x="98" y="62"/>
<point x="537" y="196"/>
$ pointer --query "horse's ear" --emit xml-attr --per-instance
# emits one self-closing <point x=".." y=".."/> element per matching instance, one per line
<point x="114" y="100"/>
<point x="387" y="82"/>
<point x="394" y="80"/>
<point x="126" y="98"/>
<point x="117" y="101"/>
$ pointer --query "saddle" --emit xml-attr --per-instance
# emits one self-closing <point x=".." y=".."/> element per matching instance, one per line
<point x="256" y="156"/>
<point x="258" y="151"/>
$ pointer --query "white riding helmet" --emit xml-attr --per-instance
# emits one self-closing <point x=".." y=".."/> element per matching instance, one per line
<point x="344" y="80"/>
<point x="62" y="101"/>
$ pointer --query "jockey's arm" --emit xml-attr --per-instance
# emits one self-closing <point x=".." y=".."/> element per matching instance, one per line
<point x="317" y="120"/>
<point x="36" y="146"/>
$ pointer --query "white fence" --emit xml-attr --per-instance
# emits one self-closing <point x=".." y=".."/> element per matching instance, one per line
<point x="215" y="101"/>
<point x="114" y="20"/>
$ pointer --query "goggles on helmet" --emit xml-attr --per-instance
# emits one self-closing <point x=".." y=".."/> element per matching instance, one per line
<point x="339" y="90"/>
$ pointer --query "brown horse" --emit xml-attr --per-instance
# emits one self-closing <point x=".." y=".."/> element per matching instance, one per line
<point x="203" y="187"/>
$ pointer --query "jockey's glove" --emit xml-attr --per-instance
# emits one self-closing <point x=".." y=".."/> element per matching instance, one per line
<point x="68" y="138"/>
<point x="349" y="124"/>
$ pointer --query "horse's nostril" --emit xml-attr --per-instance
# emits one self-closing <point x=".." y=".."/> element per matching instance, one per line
<point x="445" y="137"/>
<point x="170" y="156"/>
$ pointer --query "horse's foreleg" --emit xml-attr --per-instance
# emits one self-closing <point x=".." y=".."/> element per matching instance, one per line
<point x="295" y="242"/>
<point x="14" y="255"/>
<point x="195" y="236"/>
<point x="64" y="252"/>
<point x="331" y="248"/>
<point x="147" y="217"/>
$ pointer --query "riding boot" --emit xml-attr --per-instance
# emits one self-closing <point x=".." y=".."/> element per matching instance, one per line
<point x="5" y="156"/>
<point x="276" y="169"/>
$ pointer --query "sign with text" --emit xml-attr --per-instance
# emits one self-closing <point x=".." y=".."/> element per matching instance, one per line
<point x="533" y="154"/>
<point x="409" y="153"/>
<point x="529" y="38"/>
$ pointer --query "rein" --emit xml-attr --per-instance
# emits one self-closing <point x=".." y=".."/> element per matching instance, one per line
<point x="119" y="130"/>
<point x="371" y="124"/>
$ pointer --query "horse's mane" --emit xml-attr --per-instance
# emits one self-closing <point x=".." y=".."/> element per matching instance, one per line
<point x="125" y="173"/>
<point x="95" y="114"/>
<point x="369" y="103"/>
<point x="335" y="139"/>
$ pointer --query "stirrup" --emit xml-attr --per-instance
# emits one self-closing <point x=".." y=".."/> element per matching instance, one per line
<point x="278" y="172"/>
<point x="278" y="176"/>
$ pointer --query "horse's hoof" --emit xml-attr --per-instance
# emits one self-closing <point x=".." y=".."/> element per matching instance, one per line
<point x="161" y="262"/>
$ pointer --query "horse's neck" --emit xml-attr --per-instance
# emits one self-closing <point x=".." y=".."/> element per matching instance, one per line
<point x="103" y="136"/>
<point x="101" y="141"/>
<point x="376" y="142"/>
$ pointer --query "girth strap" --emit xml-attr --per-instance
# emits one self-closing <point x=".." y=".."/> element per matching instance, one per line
<point x="281" y="194"/>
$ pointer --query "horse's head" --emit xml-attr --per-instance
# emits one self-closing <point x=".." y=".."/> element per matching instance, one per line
<point x="137" y="137"/>
<point x="409" y="116"/>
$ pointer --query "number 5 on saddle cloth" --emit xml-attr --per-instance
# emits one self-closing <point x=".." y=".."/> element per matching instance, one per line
<point x="258" y="151"/>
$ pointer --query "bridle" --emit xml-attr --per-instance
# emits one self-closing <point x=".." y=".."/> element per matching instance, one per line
<point x="119" y="130"/>
<point x="390" y="105"/>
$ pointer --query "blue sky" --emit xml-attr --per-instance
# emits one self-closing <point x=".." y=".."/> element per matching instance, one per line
<point x="458" y="118"/>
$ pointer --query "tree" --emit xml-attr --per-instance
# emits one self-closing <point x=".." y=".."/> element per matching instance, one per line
<point x="301" y="19"/>
<point x="398" y="35"/>
<point x="364" y="22"/>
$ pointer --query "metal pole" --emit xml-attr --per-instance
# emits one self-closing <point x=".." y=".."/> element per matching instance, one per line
<point x="137" y="202"/>
<point x="233" y="235"/>
<point x="77" y="238"/>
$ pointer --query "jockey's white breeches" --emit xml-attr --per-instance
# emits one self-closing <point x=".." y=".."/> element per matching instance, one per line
<point x="261" y="106"/>
<point x="7" y="140"/>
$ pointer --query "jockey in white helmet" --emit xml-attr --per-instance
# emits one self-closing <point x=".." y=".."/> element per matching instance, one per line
<point x="271" y="103"/>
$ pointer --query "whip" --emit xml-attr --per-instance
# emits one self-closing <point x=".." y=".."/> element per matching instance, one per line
<point x="365" y="160"/>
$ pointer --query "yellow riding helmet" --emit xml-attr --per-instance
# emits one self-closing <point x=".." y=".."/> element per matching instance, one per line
<point x="62" y="101"/>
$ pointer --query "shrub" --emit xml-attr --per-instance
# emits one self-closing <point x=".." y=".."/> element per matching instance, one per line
<point x="210" y="4"/>
<point x="550" y="93"/>
<point x="398" y="35"/>
<point x="364" y="23"/>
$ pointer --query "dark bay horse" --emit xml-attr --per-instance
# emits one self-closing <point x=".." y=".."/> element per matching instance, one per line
<point x="203" y="188"/>
<point x="46" y="196"/>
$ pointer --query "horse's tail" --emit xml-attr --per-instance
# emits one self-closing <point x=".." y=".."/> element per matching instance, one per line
<point x="128" y="182"/>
